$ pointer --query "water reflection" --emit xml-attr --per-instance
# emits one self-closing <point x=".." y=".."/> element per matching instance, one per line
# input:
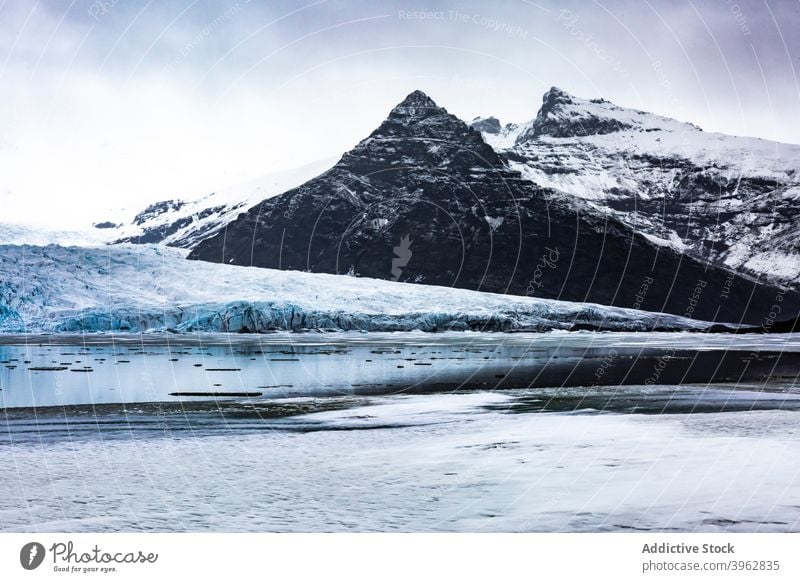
<point x="140" y="369"/>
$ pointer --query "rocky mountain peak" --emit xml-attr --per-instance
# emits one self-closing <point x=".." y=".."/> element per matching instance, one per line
<point x="553" y="98"/>
<point x="565" y="116"/>
<point x="420" y="134"/>
<point x="417" y="105"/>
<point x="562" y="115"/>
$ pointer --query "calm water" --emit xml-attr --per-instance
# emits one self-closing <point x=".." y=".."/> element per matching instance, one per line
<point x="400" y="432"/>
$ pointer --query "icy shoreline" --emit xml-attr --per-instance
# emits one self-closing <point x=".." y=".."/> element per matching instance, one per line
<point x="464" y="462"/>
<point x="258" y="317"/>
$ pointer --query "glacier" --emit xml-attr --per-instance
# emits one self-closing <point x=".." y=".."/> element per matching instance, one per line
<point x="151" y="288"/>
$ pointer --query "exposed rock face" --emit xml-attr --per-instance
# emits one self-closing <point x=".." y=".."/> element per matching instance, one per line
<point x="424" y="199"/>
<point x="559" y="117"/>
<point x="486" y="125"/>
<point x="157" y="209"/>
<point x="732" y="201"/>
<point x="106" y="224"/>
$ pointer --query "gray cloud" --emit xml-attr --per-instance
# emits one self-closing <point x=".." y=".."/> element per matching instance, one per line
<point x="142" y="101"/>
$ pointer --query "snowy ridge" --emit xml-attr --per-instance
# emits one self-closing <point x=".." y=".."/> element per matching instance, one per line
<point x="176" y="223"/>
<point x="725" y="199"/>
<point x="185" y="223"/>
<point x="150" y="288"/>
<point x="563" y="115"/>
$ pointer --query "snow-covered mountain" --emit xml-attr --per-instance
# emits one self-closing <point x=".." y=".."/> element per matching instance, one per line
<point x="733" y="201"/>
<point x="588" y="203"/>
<point x="149" y="287"/>
<point x="182" y="223"/>
<point x="424" y="199"/>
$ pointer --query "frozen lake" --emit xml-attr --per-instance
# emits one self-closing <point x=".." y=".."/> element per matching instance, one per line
<point x="326" y="433"/>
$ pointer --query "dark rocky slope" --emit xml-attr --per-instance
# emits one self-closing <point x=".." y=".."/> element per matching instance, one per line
<point x="424" y="199"/>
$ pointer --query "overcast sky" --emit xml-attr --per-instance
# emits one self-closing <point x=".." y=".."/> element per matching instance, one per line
<point x="117" y="103"/>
